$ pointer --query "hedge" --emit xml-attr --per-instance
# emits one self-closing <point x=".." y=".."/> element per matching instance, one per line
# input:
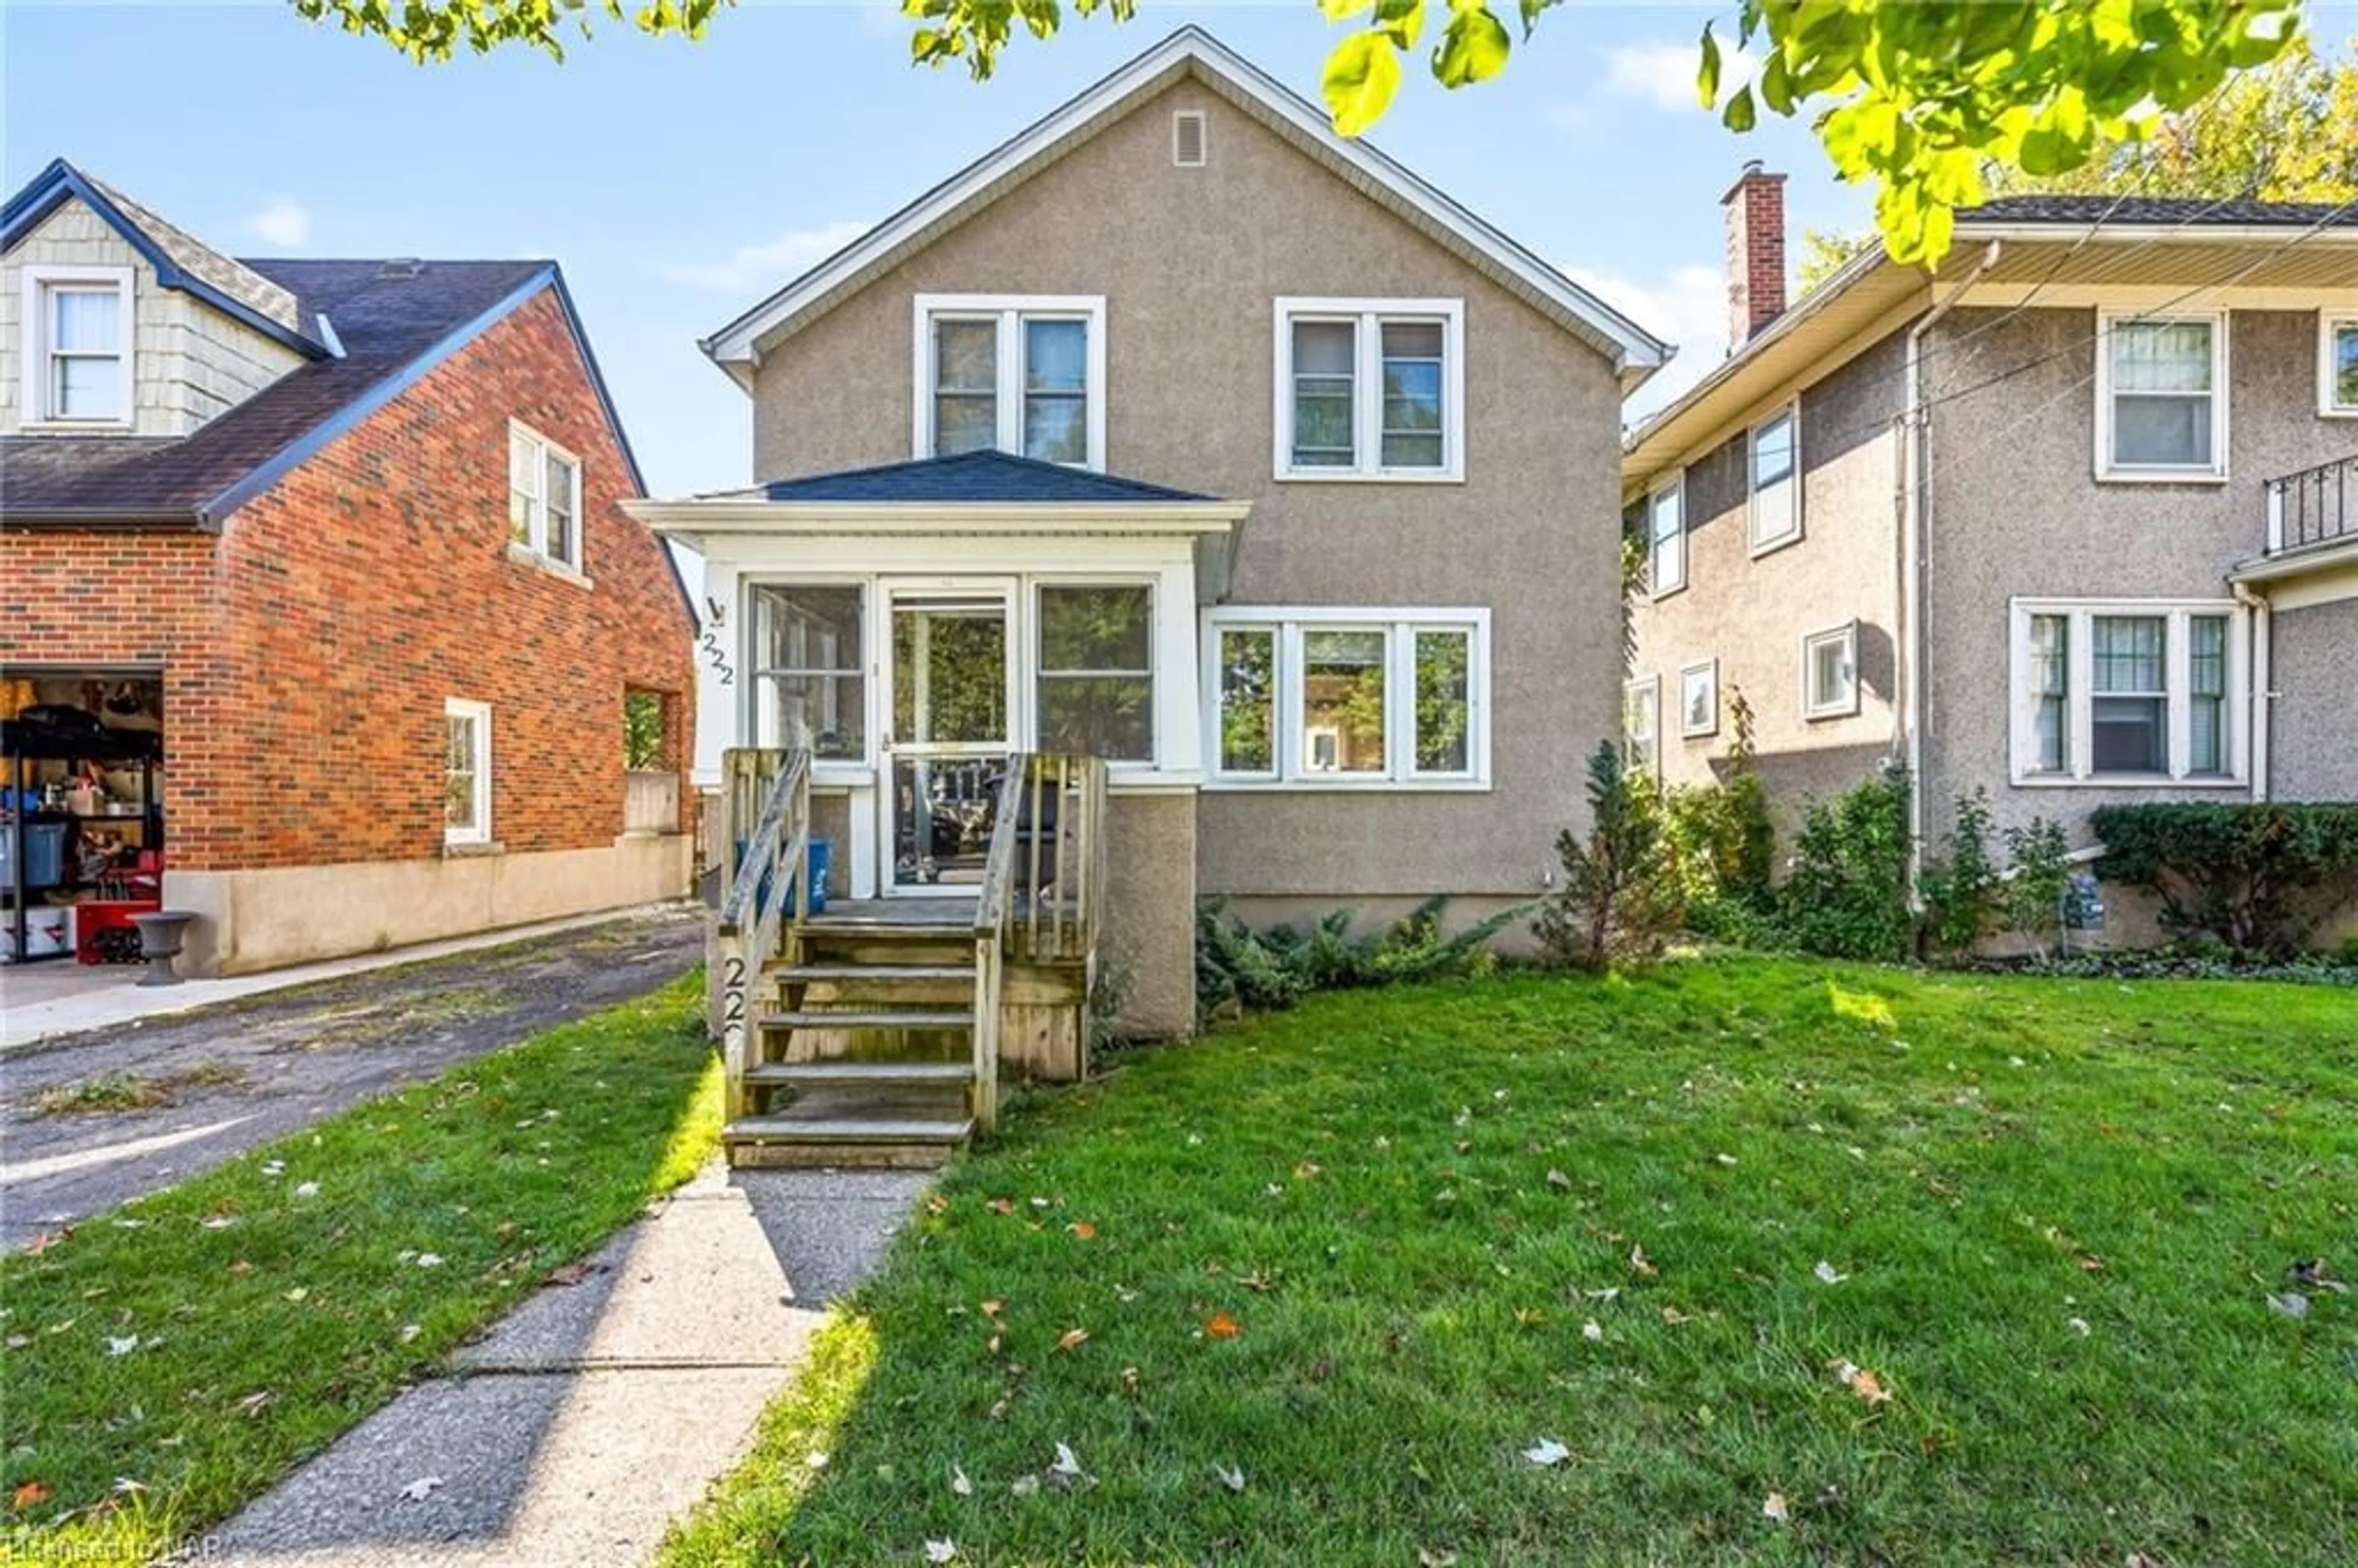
<point x="2258" y="878"/>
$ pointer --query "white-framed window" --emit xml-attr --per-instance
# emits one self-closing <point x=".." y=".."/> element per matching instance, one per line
<point x="466" y="771"/>
<point x="2161" y="396"/>
<point x="1095" y="670"/>
<point x="1830" y="672"/>
<point x="1699" y="700"/>
<point x="544" y="496"/>
<point x="1773" y="483"/>
<point x="2128" y="691"/>
<point x="1641" y="726"/>
<point x="1023" y="374"/>
<point x="809" y="674"/>
<point x="79" y="335"/>
<point x="1666" y="536"/>
<point x="1370" y="389"/>
<point x="1190" y="139"/>
<point x="1347" y="699"/>
<point x="2337" y="365"/>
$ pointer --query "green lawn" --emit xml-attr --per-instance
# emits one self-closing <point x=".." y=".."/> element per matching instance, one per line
<point x="2056" y="1209"/>
<point x="199" y="1344"/>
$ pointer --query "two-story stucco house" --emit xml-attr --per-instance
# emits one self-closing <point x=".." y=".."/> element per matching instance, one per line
<point x="1181" y="434"/>
<point x="2072" y="519"/>
<point x="320" y="613"/>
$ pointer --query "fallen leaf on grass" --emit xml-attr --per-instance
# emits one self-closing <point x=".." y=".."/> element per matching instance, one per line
<point x="1592" y="1330"/>
<point x="2078" y="1325"/>
<point x="2292" y="1303"/>
<point x="1547" y="1452"/>
<point x="2090" y="1264"/>
<point x="1607" y="1294"/>
<point x="1002" y="1206"/>
<point x="1234" y="1480"/>
<point x="1435" y="1557"/>
<point x="1024" y="1485"/>
<point x="299" y="1293"/>
<point x="936" y="1204"/>
<point x="940" y="1551"/>
<point x="29" y="1495"/>
<point x="1639" y="1261"/>
<point x="306" y="1189"/>
<point x="1559" y="1181"/>
<point x="1773" y="1507"/>
<point x="1306" y="1171"/>
<point x="1083" y="1230"/>
<point x="815" y="1460"/>
<point x="1826" y="1274"/>
<point x="1072" y="1338"/>
<point x="122" y="1346"/>
<point x="959" y="1484"/>
<point x="430" y="1260"/>
<point x="410" y="1331"/>
<point x="420" y="1489"/>
<point x="1674" y="1317"/>
<point x="1220" y="1325"/>
<point x="1868" y="1387"/>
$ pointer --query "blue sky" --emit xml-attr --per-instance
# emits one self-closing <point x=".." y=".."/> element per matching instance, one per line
<point x="679" y="183"/>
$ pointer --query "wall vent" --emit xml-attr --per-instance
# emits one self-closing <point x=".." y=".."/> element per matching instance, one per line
<point x="1189" y="146"/>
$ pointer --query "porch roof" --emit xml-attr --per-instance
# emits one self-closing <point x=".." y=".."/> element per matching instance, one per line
<point x="978" y="476"/>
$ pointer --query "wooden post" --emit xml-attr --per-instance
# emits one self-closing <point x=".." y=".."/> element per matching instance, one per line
<point x="987" y="959"/>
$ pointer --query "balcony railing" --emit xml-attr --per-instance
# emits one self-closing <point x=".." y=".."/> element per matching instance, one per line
<point x="2315" y="506"/>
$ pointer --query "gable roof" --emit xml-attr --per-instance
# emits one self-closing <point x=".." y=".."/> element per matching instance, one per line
<point x="1193" y="53"/>
<point x="395" y="325"/>
<point x="970" y="477"/>
<point x="181" y="260"/>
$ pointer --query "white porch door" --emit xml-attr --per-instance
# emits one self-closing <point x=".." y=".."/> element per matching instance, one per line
<point x="950" y="699"/>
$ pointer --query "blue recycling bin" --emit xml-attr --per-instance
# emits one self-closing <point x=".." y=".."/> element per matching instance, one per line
<point x="822" y="865"/>
<point x="44" y="848"/>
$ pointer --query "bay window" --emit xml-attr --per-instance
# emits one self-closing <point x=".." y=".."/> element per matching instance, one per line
<point x="2127" y="691"/>
<point x="1370" y="389"/>
<point x="1344" y="698"/>
<point x="2161" y="396"/>
<point x="1019" y="374"/>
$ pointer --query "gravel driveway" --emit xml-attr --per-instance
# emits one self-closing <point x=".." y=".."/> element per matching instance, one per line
<point x="246" y="1072"/>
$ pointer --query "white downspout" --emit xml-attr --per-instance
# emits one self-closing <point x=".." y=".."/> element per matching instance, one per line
<point x="1915" y="556"/>
<point x="2261" y="679"/>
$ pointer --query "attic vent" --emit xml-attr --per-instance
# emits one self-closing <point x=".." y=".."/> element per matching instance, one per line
<point x="1188" y="145"/>
<point x="401" y="266"/>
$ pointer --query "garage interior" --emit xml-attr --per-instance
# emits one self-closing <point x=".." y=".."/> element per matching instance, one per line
<point x="81" y="813"/>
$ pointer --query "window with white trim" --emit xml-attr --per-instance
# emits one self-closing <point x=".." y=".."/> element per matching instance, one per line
<point x="1699" y="700"/>
<point x="2128" y="690"/>
<point x="79" y="334"/>
<point x="1095" y="670"/>
<point x="544" y="496"/>
<point x="1641" y="726"/>
<point x="466" y="771"/>
<point x="1018" y="373"/>
<point x="2337" y="366"/>
<point x="810" y="681"/>
<point x="1830" y="672"/>
<point x="1370" y="389"/>
<point x="2161" y="396"/>
<point x="1348" y="697"/>
<point x="1666" y="536"/>
<point x="1774" y="509"/>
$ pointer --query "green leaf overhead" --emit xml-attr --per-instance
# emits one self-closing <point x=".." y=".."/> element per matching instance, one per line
<point x="1362" y="75"/>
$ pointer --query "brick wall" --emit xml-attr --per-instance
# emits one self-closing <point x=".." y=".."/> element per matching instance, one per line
<point x="304" y="725"/>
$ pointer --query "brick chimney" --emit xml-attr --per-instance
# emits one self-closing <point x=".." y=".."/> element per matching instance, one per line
<point x="1756" y="253"/>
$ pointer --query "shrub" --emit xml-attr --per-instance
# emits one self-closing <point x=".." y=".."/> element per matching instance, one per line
<point x="2258" y="877"/>
<point x="1847" y="895"/>
<point x="1719" y="845"/>
<point x="1619" y="898"/>
<point x="1961" y="890"/>
<point x="2031" y="902"/>
<point x="1240" y="971"/>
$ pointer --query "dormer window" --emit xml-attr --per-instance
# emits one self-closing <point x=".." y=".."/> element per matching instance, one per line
<point x="78" y="367"/>
<point x="1018" y="373"/>
<point x="543" y="498"/>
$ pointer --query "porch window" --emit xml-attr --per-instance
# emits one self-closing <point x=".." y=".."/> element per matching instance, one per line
<point x="1370" y="389"/>
<point x="1097" y="671"/>
<point x="1344" y="698"/>
<point x="810" y="685"/>
<point x="544" y="497"/>
<point x="2127" y="692"/>
<point x="1017" y="373"/>
<point x="2161" y="400"/>
<point x="77" y="369"/>
<point x="2337" y="366"/>
<point x="466" y="771"/>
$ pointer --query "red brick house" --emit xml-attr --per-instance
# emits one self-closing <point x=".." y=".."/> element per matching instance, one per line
<point x="323" y="565"/>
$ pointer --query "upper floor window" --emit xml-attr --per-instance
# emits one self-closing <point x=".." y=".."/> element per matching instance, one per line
<point x="2337" y="365"/>
<point x="1348" y="697"/>
<point x="1775" y="507"/>
<point x="1666" y="536"/>
<point x="1370" y="389"/>
<point x="2161" y="397"/>
<point x="77" y="366"/>
<point x="1021" y="374"/>
<point x="544" y="496"/>
<point x="2126" y="691"/>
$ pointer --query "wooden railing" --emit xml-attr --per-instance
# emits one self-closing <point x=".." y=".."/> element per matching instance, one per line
<point x="1043" y="893"/>
<point x="765" y="804"/>
<point x="2313" y="506"/>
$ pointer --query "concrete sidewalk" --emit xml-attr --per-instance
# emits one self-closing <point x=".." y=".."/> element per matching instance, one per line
<point x="596" y="1414"/>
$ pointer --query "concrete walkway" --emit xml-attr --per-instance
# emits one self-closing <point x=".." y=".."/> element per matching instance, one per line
<point x="597" y="1413"/>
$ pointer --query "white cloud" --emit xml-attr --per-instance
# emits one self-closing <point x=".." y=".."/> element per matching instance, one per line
<point x="1663" y="74"/>
<point x="768" y="264"/>
<point x="282" y="222"/>
<point x="1688" y="308"/>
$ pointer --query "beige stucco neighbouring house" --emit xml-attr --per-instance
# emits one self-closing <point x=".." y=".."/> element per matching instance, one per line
<point x="1180" y="432"/>
<point x="2072" y="519"/>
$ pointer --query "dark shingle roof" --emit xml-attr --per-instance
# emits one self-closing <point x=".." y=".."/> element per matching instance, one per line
<point x="973" y="477"/>
<point x="2159" y="209"/>
<point x="385" y="319"/>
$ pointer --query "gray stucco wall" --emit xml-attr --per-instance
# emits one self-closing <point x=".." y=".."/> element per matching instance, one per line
<point x="1190" y="261"/>
<point x="2313" y="728"/>
<point x="1752" y="612"/>
<point x="1147" y="958"/>
<point x="2018" y="510"/>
